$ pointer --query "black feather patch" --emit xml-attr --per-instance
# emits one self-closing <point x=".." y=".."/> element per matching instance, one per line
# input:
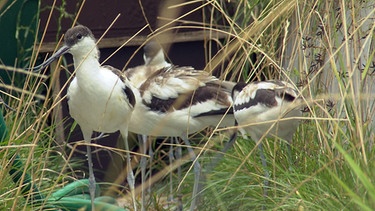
<point x="202" y="94"/>
<point x="220" y="112"/>
<point x="262" y="96"/>
<point x="238" y="87"/>
<point x="285" y="96"/>
<point x="129" y="93"/>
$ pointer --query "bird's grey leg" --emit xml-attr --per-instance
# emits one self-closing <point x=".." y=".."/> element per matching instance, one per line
<point x="130" y="175"/>
<point x="220" y="156"/>
<point x="171" y="158"/>
<point x="197" y="172"/>
<point x="151" y="160"/>
<point x="143" y="163"/>
<point x="178" y="157"/>
<point x="264" y="164"/>
<point x="266" y="173"/>
<point x="92" y="186"/>
<point x="214" y="163"/>
<point x="290" y="158"/>
<point x="6" y="105"/>
<point x="99" y="136"/>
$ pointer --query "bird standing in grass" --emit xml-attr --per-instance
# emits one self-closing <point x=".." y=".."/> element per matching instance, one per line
<point x="154" y="60"/>
<point x="267" y="109"/>
<point x="99" y="97"/>
<point x="178" y="101"/>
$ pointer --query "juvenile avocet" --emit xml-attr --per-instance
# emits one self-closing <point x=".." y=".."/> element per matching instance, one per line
<point x="154" y="60"/>
<point x="178" y="101"/>
<point x="267" y="109"/>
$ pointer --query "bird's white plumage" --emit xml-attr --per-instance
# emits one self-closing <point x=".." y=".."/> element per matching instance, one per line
<point x="153" y="60"/>
<point x="138" y="75"/>
<point x="96" y="95"/>
<point x="97" y="101"/>
<point x="173" y="85"/>
<point x="173" y="81"/>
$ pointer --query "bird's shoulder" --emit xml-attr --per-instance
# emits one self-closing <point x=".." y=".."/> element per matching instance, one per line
<point x="127" y="89"/>
<point x="115" y="71"/>
<point x="265" y="93"/>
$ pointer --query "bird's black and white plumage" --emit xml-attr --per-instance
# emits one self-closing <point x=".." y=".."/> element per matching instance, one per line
<point x="267" y="109"/>
<point x="99" y="97"/>
<point x="180" y="100"/>
<point x="177" y="101"/>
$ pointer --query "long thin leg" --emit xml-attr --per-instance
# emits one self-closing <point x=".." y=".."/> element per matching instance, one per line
<point x="178" y="157"/>
<point x="92" y="186"/>
<point x="290" y="157"/>
<point x="151" y="160"/>
<point x="227" y="146"/>
<point x="264" y="164"/>
<point x="197" y="172"/>
<point x="219" y="156"/>
<point x="143" y="163"/>
<point x="130" y="176"/>
<point x="289" y="148"/>
<point x="171" y="158"/>
<point x="215" y="161"/>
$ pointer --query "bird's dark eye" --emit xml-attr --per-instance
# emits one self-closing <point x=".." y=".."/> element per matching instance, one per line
<point x="79" y="36"/>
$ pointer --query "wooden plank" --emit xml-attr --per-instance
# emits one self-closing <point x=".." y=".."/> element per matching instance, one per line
<point x="140" y="40"/>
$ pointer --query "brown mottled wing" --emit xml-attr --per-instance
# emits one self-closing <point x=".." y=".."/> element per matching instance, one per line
<point x="178" y="88"/>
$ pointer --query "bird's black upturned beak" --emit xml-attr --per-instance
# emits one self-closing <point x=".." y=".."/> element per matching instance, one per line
<point x="55" y="56"/>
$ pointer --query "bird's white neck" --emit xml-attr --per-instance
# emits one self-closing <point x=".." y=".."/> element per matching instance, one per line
<point x="86" y="63"/>
<point x="92" y="55"/>
<point x="85" y="55"/>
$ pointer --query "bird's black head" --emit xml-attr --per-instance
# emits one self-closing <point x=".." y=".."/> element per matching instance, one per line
<point x="151" y="49"/>
<point x="72" y="37"/>
<point x="76" y="34"/>
<point x="237" y="89"/>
